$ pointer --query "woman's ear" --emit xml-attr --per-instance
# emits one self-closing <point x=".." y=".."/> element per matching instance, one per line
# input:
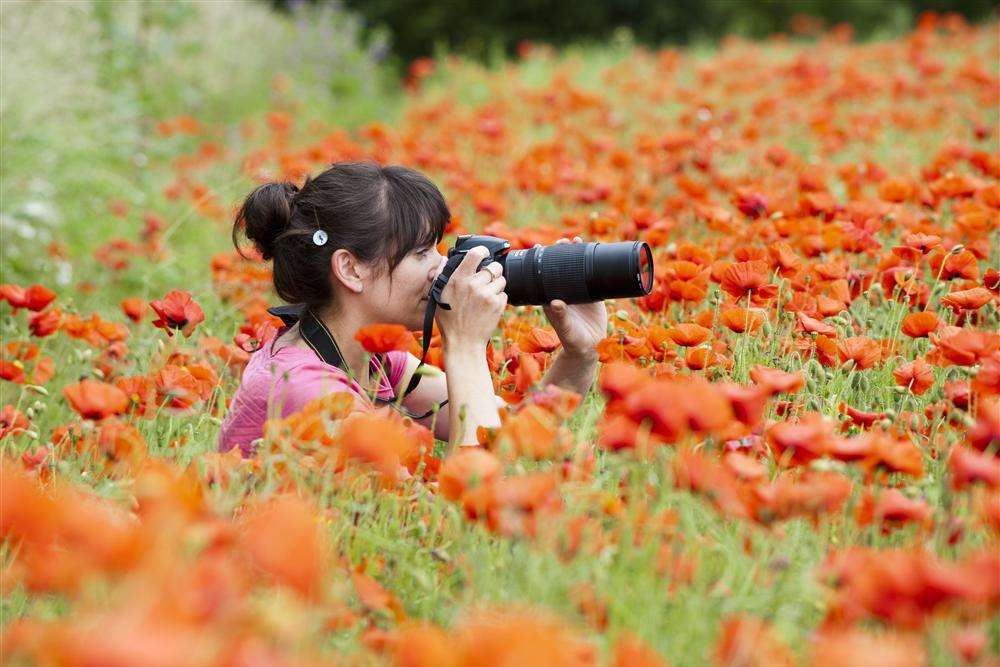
<point x="349" y="270"/>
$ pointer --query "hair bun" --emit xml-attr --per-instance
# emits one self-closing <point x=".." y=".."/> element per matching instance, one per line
<point x="266" y="212"/>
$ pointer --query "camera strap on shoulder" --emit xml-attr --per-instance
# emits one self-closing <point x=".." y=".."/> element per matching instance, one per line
<point x="319" y="338"/>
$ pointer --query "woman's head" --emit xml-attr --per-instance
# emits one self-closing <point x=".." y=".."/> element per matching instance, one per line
<point x="381" y="222"/>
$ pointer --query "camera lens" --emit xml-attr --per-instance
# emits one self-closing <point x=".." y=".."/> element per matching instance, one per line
<point x="578" y="272"/>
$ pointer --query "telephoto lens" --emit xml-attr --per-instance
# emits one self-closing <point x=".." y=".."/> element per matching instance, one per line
<point x="577" y="272"/>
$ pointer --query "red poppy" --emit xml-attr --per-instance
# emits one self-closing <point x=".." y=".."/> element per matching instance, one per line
<point x="864" y="351"/>
<point x="964" y="347"/>
<point x="812" y="325"/>
<point x="466" y="469"/>
<point x="968" y="466"/>
<point x="12" y="421"/>
<point x="970" y="299"/>
<point x="94" y="399"/>
<point x="742" y="320"/>
<point x="134" y="308"/>
<point x="776" y="381"/>
<point x="283" y="541"/>
<point x="915" y="375"/>
<point x="35" y="298"/>
<point x="177" y="310"/>
<point x="892" y="508"/>
<point x="382" y="338"/>
<point x="688" y="335"/>
<point x="748" y="278"/>
<point x="800" y="441"/>
<point x="45" y="323"/>
<point x="918" y="325"/>
<point x="539" y="340"/>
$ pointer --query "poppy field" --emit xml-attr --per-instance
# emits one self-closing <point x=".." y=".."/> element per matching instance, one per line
<point x="790" y="455"/>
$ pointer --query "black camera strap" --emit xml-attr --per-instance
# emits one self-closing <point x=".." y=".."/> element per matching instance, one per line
<point x="320" y="339"/>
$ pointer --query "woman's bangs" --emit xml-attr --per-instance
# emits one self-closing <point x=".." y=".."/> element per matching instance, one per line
<point x="415" y="224"/>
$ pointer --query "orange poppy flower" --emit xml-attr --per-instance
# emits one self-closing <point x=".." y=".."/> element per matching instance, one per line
<point x="539" y="340"/>
<point x="948" y="265"/>
<point x="892" y="508"/>
<point x="776" y="381"/>
<point x="742" y="320"/>
<point x="969" y="467"/>
<point x="134" y="308"/>
<point x="800" y="441"/>
<point x="970" y="299"/>
<point x="864" y="351"/>
<point x="812" y="325"/>
<point x="35" y="297"/>
<point x="748" y="278"/>
<point x="534" y="432"/>
<point x="915" y="375"/>
<point x="176" y="387"/>
<point x="466" y="469"/>
<point x="93" y="399"/>
<point x="382" y="338"/>
<point x="747" y="403"/>
<point x="688" y="335"/>
<point x="12" y="421"/>
<point x="918" y="325"/>
<point x="964" y="347"/>
<point x="283" y="541"/>
<point x="986" y="431"/>
<point x="987" y="380"/>
<point x="177" y="310"/>
<point x="895" y="190"/>
<point x="856" y="646"/>
<point x="45" y="323"/>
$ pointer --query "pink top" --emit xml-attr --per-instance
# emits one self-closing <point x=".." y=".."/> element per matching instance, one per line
<point x="287" y="380"/>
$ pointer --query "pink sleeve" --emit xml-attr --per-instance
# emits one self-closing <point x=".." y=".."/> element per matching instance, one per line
<point x="397" y="366"/>
<point x="307" y="382"/>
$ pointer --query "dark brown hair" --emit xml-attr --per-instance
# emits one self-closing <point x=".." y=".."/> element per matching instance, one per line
<point x="378" y="213"/>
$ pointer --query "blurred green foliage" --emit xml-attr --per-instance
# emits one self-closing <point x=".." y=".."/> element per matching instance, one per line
<point x="83" y="86"/>
<point x="484" y="29"/>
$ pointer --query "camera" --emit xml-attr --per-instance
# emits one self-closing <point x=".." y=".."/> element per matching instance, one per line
<point x="572" y="272"/>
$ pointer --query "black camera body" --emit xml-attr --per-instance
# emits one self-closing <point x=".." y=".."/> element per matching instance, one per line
<point x="572" y="272"/>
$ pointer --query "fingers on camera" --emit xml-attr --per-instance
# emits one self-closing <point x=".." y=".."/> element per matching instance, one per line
<point x="472" y="260"/>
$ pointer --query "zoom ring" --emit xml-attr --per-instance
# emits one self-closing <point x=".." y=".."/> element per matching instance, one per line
<point x="564" y="274"/>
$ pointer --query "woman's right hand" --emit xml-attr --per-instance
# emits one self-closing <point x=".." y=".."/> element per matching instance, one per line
<point x="476" y="298"/>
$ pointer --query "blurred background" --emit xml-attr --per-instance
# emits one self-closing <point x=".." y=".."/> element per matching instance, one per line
<point x="89" y="88"/>
<point x="490" y="30"/>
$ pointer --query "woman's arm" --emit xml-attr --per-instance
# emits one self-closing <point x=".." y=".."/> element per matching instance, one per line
<point x="573" y="371"/>
<point x="433" y="389"/>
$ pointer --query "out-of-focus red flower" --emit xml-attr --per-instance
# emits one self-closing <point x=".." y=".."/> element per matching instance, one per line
<point x="177" y="310"/>
<point x="94" y="399"/>
<point x="35" y="298"/>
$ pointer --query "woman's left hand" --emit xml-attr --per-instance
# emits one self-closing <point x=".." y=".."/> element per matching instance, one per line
<point x="580" y="326"/>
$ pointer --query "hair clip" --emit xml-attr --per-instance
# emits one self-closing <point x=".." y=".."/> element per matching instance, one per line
<point x="320" y="237"/>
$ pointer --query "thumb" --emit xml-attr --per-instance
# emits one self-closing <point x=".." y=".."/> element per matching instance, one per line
<point x="558" y="307"/>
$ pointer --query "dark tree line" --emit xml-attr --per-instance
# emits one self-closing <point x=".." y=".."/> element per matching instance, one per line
<point x="481" y="28"/>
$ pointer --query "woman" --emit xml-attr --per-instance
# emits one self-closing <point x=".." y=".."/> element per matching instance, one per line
<point x="357" y="246"/>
